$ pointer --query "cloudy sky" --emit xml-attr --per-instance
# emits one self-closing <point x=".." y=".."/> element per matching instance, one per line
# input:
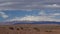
<point x="30" y="10"/>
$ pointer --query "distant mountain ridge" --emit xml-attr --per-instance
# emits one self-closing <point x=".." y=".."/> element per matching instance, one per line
<point x="30" y="22"/>
<point x="38" y="22"/>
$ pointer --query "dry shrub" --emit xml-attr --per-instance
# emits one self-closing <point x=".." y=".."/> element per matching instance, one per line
<point x="11" y="28"/>
<point x="37" y="29"/>
<point x="48" y="31"/>
<point x="17" y="28"/>
<point x="21" y="28"/>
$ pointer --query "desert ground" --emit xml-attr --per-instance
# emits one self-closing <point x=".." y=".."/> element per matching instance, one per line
<point x="30" y="29"/>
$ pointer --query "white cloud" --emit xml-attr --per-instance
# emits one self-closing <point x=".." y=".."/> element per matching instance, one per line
<point x="8" y="3"/>
<point x="34" y="18"/>
<point x="26" y="5"/>
<point x="29" y="4"/>
<point x="53" y="6"/>
<point x="26" y="9"/>
<point x="42" y="13"/>
<point x="43" y="17"/>
<point x="2" y="14"/>
<point x="56" y="14"/>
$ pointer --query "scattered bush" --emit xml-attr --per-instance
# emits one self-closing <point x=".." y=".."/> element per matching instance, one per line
<point x="17" y="28"/>
<point x="37" y="29"/>
<point x="48" y="31"/>
<point x="21" y="28"/>
<point x="11" y="28"/>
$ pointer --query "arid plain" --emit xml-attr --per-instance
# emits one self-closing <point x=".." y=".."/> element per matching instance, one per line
<point x="30" y="29"/>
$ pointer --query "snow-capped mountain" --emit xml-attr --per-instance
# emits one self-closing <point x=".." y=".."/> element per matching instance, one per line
<point x="29" y="22"/>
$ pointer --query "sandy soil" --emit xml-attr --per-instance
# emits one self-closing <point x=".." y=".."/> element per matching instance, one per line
<point x="30" y="29"/>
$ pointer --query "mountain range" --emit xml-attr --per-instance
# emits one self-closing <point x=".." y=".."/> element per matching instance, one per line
<point x="29" y="22"/>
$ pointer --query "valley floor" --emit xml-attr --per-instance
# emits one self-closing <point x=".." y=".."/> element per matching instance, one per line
<point x="30" y="29"/>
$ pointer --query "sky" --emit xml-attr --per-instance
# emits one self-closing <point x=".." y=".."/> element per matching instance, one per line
<point x="29" y="10"/>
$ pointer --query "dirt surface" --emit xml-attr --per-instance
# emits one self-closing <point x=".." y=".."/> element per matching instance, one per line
<point x="30" y="29"/>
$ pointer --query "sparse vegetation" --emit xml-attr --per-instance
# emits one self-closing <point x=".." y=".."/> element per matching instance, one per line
<point x="21" y="28"/>
<point x="33" y="29"/>
<point x="48" y="31"/>
<point x="17" y="28"/>
<point x="36" y="28"/>
<point x="11" y="28"/>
